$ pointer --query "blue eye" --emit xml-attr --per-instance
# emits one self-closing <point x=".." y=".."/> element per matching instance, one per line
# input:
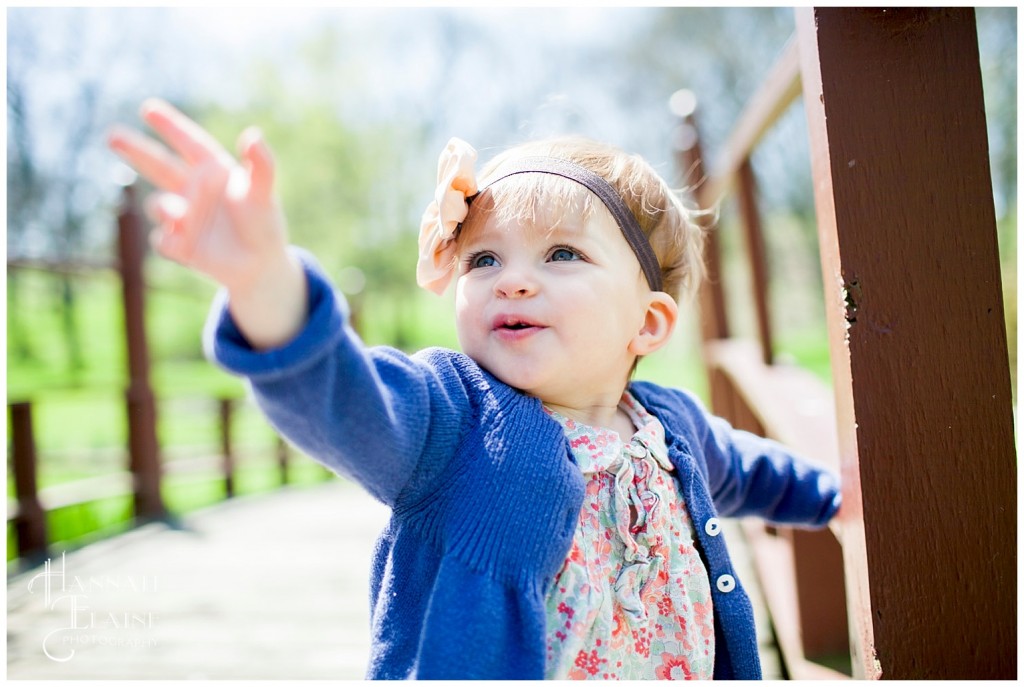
<point x="482" y="260"/>
<point x="564" y="254"/>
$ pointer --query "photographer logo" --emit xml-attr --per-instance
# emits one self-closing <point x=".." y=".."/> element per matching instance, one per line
<point x="72" y="603"/>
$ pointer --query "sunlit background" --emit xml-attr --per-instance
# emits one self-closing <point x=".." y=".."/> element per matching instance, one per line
<point x="357" y="104"/>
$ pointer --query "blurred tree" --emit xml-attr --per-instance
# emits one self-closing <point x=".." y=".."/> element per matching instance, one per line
<point x="67" y="82"/>
<point x="48" y="204"/>
<point x="358" y="103"/>
<point x="997" y="39"/>
<point x="722" y="55"/>
<point x="336" y="181"/>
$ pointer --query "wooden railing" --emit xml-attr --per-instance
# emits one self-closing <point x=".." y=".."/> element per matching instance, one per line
<point x="801" y="572"/>
<point x="28" y="510"/>
<point x="919" y="421"/>
<point x="143" y="475"/>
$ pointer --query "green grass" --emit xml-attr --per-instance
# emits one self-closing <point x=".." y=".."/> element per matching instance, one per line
<point x="79" y="416"/>
<point x="75" y="526"/>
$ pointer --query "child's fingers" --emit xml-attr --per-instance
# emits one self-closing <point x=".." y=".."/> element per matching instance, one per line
<point x="191" y="141"/>
<point x="169" y="243"/>
<point x="166" y="208"/>
<point x="168" y="211"/>
<point x="149" y="158"/>
<point x="259" y="163"/>
<point x="205" y="195"/>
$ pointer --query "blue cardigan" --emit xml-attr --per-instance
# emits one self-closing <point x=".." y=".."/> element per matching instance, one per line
<point x="484" y="494"/>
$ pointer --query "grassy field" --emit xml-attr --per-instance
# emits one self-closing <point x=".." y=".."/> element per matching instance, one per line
<point x="79" y="417"/>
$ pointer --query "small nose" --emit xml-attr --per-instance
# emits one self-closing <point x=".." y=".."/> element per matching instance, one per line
<point x="514" y="283"/>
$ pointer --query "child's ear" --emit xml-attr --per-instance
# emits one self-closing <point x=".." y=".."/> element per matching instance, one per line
<point x="659" y="321"/>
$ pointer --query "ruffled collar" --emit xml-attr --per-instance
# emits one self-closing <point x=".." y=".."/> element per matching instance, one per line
<point x="597" y="449"/>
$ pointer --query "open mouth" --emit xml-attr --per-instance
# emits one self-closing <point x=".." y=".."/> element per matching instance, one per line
<point x="512" y="325"/>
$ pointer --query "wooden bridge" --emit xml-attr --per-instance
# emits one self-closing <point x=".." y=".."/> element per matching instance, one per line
<point x="260" y="587"/>
<point x="921" y="582"/>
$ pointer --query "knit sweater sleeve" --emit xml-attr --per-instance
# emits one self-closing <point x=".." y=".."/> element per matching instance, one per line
<point x="375" y="415"/>
<point x="748" y="474"/>
<point x="751" y="475"/>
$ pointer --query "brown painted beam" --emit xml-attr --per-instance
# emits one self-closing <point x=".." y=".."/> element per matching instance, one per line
<point x="282" y="454"/>
<point x="226" y="406"/>
<point x="30" y="520"/>
<point x="757" y="256"/>
<point x="801" y="572"/>
<point x="144" y="451"/>
<point x="781" y="86"/>
<point x="919" y="354"/>
<point x="714" y="322"/>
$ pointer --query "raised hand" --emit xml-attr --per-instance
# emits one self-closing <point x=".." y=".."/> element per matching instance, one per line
<point x="220" y="217"/>
<point x="214" y="215"/>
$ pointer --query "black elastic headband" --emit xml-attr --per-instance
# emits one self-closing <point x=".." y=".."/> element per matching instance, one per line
<point x="603" y="190"/>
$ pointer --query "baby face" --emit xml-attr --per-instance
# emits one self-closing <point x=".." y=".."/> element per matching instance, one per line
<point x="549" y="305"/>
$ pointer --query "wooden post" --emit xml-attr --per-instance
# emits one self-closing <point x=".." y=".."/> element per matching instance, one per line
<point x="144" y="461"/>
<point x="282" y="459"/>
<point x="713" y="321"/>
<point x="757" y="256"/>
<point x="226" y="410"/>
<point x="911" y="273"/>
<point x="30" y="522"/>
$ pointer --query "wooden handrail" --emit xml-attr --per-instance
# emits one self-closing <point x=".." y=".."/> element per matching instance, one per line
<point x="119" y="483"/>
<point x="777" y="92"/>
<point x="791" y="404"/>
<point x="142" y="478"/>
<point x="901" y="184"/>
<point x="144" y="449"/>
<point x="76" y="267"/>
<point x="801" y="573"/>
<point x="28" y="511"/>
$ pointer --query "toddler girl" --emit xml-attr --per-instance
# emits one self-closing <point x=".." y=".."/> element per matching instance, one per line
<point x="550" y="518"/>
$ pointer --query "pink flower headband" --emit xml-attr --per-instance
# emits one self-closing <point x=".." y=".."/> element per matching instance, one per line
<point x="456" y="183"/>
<point x="457" y="186"/>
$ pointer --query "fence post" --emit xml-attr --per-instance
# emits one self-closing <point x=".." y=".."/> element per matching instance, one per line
<point x="30" y="522"/>
<point x="690" y="159"/>
<point x="282" y="459"/>
<point x="757" y="256"/>
<point x="144" y="459"/>
<point x="918" y="343"/>
<point x="226" y="415"/>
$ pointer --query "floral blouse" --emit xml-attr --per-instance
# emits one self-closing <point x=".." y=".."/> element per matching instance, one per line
<point x="633" y="599"/>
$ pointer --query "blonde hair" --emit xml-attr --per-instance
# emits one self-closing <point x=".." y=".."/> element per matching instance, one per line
<point x="675" y="236"/>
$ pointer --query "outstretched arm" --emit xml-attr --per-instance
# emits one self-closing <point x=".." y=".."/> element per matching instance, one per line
<point x="220" y="218"/>
<point x="387" y="420"/>
<point x="751" y="475"/>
